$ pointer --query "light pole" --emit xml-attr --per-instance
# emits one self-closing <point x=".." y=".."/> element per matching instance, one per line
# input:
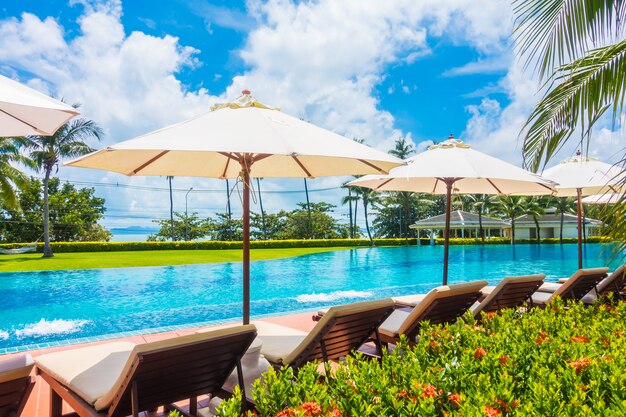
<point x="186" y="217"/>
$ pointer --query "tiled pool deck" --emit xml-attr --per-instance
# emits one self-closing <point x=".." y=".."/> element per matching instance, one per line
<point x="39" y="400"/>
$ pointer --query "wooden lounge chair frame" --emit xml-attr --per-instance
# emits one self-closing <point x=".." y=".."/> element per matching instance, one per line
<point x="15" y="392"/>
<point x="164" y="376"/>
<point x="443" y="309"/>
<point x="584" y="284"/>
<point x="617" y="285"/>
<point x="340" y="331"/>
<point x="514" y="293"/>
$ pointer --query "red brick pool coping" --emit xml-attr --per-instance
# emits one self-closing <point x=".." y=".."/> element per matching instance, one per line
<point x="39" y="400"/>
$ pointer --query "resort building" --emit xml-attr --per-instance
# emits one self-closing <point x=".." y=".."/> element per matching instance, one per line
<point x="550" y="226"/>
<point x="463" y="224"/>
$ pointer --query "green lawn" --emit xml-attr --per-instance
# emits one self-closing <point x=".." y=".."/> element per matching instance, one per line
<point x="82" y="260"/>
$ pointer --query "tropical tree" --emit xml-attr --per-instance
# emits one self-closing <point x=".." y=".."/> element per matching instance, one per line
<point x="74" y="214"/>
<point x="533" y="207"/>
<point x="369" y="198"/>
<point x="564" y="205"/>
<point x="47" y="151"/>
<point x="481" y="204"/>
<point x="11" y="178"/>
<point x="351" y="199"/>
<point x="184" y="227"/>
<point x="402" y="149"/>
<point x="510" y="207"/>
<point x="578" y="49"/>
<point x="169" y="181"/>
<point x="324" y="225"/>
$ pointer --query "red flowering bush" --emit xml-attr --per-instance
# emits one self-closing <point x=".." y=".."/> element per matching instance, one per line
<point x="567" y="360"/>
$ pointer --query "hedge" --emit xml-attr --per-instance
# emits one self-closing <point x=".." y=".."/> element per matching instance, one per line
<point x="60" y="247"/>
<point x="565" y="360"/>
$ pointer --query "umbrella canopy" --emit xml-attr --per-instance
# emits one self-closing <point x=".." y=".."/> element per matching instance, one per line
<point x="454" y="166"/>
<point x="242" y="139"/>
<point x="602" y="199"/>
<point x="24" y="111"/>
<point x="579" y="176"/>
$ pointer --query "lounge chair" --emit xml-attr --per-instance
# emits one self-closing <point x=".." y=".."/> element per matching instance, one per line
<point x="441" y="305"/>
<point x="614" y="284"/>
<point x="511" y="292"/>
<point x="122" y="378"/>
<point x="575" y="288"/>
<point x="340" y="331"/>
<point x="16" y="383"/>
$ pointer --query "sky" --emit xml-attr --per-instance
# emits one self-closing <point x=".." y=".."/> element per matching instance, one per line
<point x="364" y="69"/>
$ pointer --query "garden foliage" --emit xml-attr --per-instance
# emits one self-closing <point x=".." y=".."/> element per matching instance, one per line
<point x="59" y="247"/>
<point x="566" y="360"/>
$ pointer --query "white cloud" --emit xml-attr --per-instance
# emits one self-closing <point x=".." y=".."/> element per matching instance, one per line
<point x="490" y="65"/>
<point x="318" y="60"/>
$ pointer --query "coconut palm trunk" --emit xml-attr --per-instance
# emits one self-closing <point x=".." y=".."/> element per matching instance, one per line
<point x="537" y="227"/>
<point x="561" y="228"/>
<point x="480" y="226"/>
<point x="512" y="230"/>
<point x="47" y="249"/>
<point x="367" y="223"/>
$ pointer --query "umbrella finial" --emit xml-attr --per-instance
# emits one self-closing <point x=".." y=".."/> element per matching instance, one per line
<point x="246" y="92"/>
<point x="451" y="136"/>
<point x="578" y="152"/>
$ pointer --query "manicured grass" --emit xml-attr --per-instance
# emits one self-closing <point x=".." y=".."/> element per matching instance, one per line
<point x="84" y="260"/>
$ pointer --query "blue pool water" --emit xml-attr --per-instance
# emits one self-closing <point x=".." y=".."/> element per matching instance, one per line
<point x="41" y="309"/>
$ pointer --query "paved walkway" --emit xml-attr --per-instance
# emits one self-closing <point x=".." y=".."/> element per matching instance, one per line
<point x="39" y="400"/>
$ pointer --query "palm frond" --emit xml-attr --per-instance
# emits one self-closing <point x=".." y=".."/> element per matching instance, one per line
<point x="585" y="89"/>
<point x="550" y="33"/>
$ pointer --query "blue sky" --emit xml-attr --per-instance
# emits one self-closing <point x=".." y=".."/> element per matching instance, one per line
<point x="374" y="70"/>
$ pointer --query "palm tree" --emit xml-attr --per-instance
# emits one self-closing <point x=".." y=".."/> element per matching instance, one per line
<point x="169" y="181"/>
<point x="533" y="207"/>
<point x="578" y="49"/>
<point x="564" y="205"/>
<point x="402" y="149"/>
<point x="47" y="151"/>
<point x="511" y="207"/>
<point x="369" y="198"/>
<point x="349" y="199"/>
<point x="12" y="178"/>
<point x="481" y="204"/>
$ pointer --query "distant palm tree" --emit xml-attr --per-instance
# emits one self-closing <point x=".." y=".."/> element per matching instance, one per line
<point x="12" y="178"/>
<point x="511" y="207"/>
<point x="169" y="181"/>
<point x="47" y="151"/>
<point x="481" y="204"/>
<point x="564" y="205"/>
<point x="533" y="207"/>
<point x="349" y="199"/>
<point x="402" y="149"/>
<point x="369" y="198"/>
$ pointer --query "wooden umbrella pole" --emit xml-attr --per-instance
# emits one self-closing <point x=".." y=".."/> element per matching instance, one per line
<point x="245" y="173"/>
<point x="580" y="227"/>
<point x="446" y="232"/>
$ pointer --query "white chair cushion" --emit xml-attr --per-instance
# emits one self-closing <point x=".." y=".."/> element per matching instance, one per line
<point x="391" y="326"/>
<point x="278" y="341"/>
<point x="15" y="367"/>
<point x="549" y="287"/>
<point x="409" y="300"/>
<point x="541" y="298"/>
<point x="91" y="372"/>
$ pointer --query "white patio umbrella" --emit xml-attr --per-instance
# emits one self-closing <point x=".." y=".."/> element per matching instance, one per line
<point x="579" y="176"/>
<point x="602" y="199"/>
<point x="24" y="111"/>
<point x="454" y="166"/>
<point x="242" y="139"/>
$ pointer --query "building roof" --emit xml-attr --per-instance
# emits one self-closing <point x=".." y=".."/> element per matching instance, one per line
<point x="553" y="219"/>
<point x="460" y="220"/>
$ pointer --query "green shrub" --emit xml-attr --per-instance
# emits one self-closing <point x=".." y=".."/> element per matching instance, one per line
<point x="60" y="247"/>
<point x="566" y="360"/>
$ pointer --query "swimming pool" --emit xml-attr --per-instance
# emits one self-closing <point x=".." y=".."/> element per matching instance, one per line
<point x="41" y="309"/>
